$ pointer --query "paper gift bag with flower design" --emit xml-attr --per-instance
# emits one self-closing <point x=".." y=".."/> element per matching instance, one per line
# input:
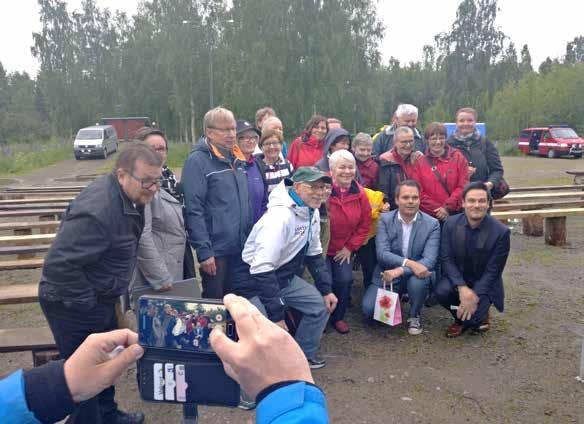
<point x="387" y="306"/>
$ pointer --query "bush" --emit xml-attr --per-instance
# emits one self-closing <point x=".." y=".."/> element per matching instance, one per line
<point x="18" y="158"/>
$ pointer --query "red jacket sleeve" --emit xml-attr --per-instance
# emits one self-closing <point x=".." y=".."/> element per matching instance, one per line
<point x="454" y="202"/>
<point x="427" y="204"/>
<point x="293" y="156"/>
<point x="360" y="234"/>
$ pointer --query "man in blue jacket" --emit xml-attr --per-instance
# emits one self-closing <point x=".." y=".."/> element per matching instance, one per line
<point x="474" y="250"/>
<point x="218" y="214"/>
<point x="265" y="361"/>
<point x="407" y="244"/>
<point x="91" y="261"/>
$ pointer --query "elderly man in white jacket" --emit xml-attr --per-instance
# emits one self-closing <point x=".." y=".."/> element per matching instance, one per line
<point x="281" y="243"/>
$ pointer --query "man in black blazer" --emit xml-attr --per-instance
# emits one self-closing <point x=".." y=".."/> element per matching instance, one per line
<point x="474" y="250"/>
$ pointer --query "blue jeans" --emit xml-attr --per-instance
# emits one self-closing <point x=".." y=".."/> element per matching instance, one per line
<point x="342" y="275"/>
<point x="417" y="289"/>
<point x="305" y="298"/>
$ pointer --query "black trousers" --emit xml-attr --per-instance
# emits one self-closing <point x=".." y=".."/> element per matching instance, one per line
<point x="218" y="285"/>
<point x="367" y="257"/>
<point x="70" y="327"/>
<point x="447" y="296"/>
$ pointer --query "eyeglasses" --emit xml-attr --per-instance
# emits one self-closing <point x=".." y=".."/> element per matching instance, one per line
<point x="406" y="142"/>
<point x="147" y="183"/>
<point x="316" y="188"/>
<point x="160" y="149"/>
<point x="230" y="130"/>
<point x="272" y="144"/>
<point x="437" y="137"/>
<point x="248" y="138"/>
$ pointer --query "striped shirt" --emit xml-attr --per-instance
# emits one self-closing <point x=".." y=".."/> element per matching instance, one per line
<point x="277" y="172"/>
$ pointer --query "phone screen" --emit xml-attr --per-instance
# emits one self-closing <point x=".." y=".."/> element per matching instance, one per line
<point x="181" y="324"/>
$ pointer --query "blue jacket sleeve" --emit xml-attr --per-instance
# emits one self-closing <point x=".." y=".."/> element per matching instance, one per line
<point x="298" y="403"/>
<point x="13" y="407"/>
<point x="194" y="184"/>
<point x="386" y="258"/>
<point x="431" y="247"/>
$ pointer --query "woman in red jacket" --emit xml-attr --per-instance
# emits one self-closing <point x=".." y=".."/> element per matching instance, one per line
<point x="442" y="174"/>
<point x="307" y="149"/>
<point x="350" y="219"/>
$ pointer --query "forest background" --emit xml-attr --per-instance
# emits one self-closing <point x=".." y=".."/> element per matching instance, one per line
<point x="175" y="59"/>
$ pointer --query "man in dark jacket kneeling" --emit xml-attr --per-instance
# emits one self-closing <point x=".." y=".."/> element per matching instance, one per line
<point x="91" y="261"/>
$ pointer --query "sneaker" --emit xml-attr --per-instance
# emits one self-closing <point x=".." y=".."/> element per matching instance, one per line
<point x="414" y="326"/>
<point x="341" y="326"/>
<point x="246" y="402"/>
<point x="316" y="363"/>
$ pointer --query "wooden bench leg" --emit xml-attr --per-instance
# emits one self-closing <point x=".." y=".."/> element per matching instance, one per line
<point x="24" y="232"/>
<point x="533" y="227"/>
<point x="555" y="231"/>
<point x="46" y="218"/>
<point x="40" y="357"/>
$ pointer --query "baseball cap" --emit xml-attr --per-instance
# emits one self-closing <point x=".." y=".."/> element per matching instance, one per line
<point x="310" y="174"/>
<point x="243" y="125"/>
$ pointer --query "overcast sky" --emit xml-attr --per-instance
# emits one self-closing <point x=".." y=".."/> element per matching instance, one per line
<point x="545" y="26"/>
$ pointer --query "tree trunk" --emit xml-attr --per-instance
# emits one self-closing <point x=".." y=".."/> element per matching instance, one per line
<point x="555" y="231"/>
<point x="533" y="227"/>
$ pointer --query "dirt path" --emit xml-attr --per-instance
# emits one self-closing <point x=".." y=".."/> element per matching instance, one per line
<point x="522" y="371"/>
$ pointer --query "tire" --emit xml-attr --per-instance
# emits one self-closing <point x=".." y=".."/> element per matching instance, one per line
<point x="78" y="157"/>
<point x="578" y="156"/>
<point x="552" y="154"/>
<point x="104" y="153"/>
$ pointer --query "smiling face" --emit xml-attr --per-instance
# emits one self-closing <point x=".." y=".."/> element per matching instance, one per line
<point x="142" y="184"/>
<point x="271" y="148"/>
<point x="341" y="143"/>
<point x="157" y="142"/>
<point x="476" y="205"/>
<point x="319" y="130"/>
<point x="408" y="201"/>
<point x="222" y="133"/>
<point x="465" y="123"/>
<point x="247" y="141"/>
<point x="436" y="144"/>
<point x="404" y="143"/>
<point x="363" y="151"/>
<point x="312" y="193"/>
<point x="343" y="172"/>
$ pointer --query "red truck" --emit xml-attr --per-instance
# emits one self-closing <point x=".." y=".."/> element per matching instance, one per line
<point x="552" y="141"/>
<point x="126" y="127"/>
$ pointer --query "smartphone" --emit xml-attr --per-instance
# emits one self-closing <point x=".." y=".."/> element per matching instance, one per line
<point x="181" y="324"/>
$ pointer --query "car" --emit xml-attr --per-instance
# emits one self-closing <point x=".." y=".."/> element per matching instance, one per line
<point x="97" y="141"/>
<point x="552" y="141"/>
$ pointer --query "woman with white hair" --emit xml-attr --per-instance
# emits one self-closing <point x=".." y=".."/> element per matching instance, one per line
<point x="350" y="218"/>
<point x="405" y="115"/>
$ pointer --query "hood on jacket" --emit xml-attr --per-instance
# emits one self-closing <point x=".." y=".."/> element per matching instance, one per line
<point x="279" y="197"/>
<point x="332" y="136"/>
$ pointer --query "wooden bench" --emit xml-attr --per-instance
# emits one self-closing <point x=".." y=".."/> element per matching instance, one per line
<point x="62" y="199"/>
<point x="578" y="176"/>
<point x="45" y="188"/>
<point x="525" y="206"/>
<point x="32" y="212"/>
<point x="22" y="264"/>
<point x="12" y="294"/>
<point x="21" y="250"/>
<point x="16" y="196"/>
<point x="542" y="195"/>
<point x="553" y="222"/>
<point x="18" y="226"/>
<point x="39" y="341"/>
<point x="532" y="189"/>
<point x="26" y="239"/>
<point x="32" y="206"/>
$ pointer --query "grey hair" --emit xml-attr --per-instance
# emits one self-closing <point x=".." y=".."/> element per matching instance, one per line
<point x="270" y="119"/>
<point x="336" y="157"/>
<point x="406" y="109"/>
<point x="362" y="139"/>
<point x="217" y="114"/>
<point x="402" y="130"/>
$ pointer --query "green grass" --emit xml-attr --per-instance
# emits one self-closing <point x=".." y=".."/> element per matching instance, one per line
<point x="17" y="159"/>
<point x="508" y="148"/>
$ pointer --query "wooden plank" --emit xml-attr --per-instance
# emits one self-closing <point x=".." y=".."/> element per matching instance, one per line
<point x="66" y="199"/>
<point x="23" y="264"/>
<point x="500" y="207"/>
<point x="20" y="240"/>
<point x="27" y="206"/>
<point x="31" y="212"/>
<point x="24" y="339"/>
<point x="14" y="226"/>
<point x="19" y="250"/>
<point x="11" y="196"/>
<point x="544" y="213"/>
<point x="546" y="188"/>
<point x="18" y="293"/>
<point x="549" y="195"/>
<point x="46" y="188"/>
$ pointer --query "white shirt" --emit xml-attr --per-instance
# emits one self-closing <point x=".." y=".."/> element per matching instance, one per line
<point x="406" y="233"/>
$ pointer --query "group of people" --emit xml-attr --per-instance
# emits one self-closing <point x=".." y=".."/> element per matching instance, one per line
<point x="408" y="207"/>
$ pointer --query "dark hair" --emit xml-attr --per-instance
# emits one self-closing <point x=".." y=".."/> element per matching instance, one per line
<point x="434" y="128"/>
<point x="313" y="122"/>
<point x="476" y="185"/>
<point x="143" y="133"/>
<point x="269" y="134"/>
<point x="406" y="183"/>
<point x="134" y="152"/>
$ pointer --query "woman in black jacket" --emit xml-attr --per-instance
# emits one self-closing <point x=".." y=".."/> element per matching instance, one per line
<point x="484" y="163"/>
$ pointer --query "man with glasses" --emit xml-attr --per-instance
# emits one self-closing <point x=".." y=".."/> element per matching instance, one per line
<point x="281" y="243"/>
<point x="91" y="261"/>
<point x="474" y="249"/>
<point x="218" y="215"/>
<point x="405" y="115"/>
<point x="398" y="164"/>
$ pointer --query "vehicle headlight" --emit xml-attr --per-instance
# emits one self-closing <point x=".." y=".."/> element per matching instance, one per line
<point x="563" y="145"/>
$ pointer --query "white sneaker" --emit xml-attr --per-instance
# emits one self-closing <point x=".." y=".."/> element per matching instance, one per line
<point x="415" y="326"/>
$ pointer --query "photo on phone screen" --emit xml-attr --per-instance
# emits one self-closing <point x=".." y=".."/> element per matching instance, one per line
<point x="182" y="325"/>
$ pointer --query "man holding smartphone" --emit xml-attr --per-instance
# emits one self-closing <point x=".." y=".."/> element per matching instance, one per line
<point x="281" y="243"/>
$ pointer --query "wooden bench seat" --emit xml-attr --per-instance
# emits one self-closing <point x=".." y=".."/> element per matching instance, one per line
<point x="499" y="207"/>
<point x="578" y="176"/>
<point x="542" y="195"/>
<point x="19" y="196"/>
<point x="12" y="294"/>
<point x="22" y="264"/>
<point x="39" y="341"/>
<point x="26" y="239"/>
<point x="21" y="250"/>
<point x="32" y="206"/>
<point x="66" y="199"/>
<point x="42" y="225"/>
<point x="75" y="187"/>
<point x="546" y="188"/>
<point x="32" y="212"/>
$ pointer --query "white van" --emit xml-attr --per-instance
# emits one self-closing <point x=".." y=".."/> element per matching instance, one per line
<point x="98" y="141"/>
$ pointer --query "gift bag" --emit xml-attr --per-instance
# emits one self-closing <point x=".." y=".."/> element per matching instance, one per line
<point x="387" y="306"/>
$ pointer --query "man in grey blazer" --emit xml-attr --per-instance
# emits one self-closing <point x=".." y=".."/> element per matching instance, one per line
<point x="408" y="243"/>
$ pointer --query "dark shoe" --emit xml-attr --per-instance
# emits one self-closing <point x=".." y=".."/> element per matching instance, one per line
<point x="485" y="325"/>
<point x="122" y="417"/>
<point x="316" y="363"/>
<point x="341" y="326"/>
<point x="431" y="300"/>
<point x="455" y="329"/>
<point x="246" y="402"/>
